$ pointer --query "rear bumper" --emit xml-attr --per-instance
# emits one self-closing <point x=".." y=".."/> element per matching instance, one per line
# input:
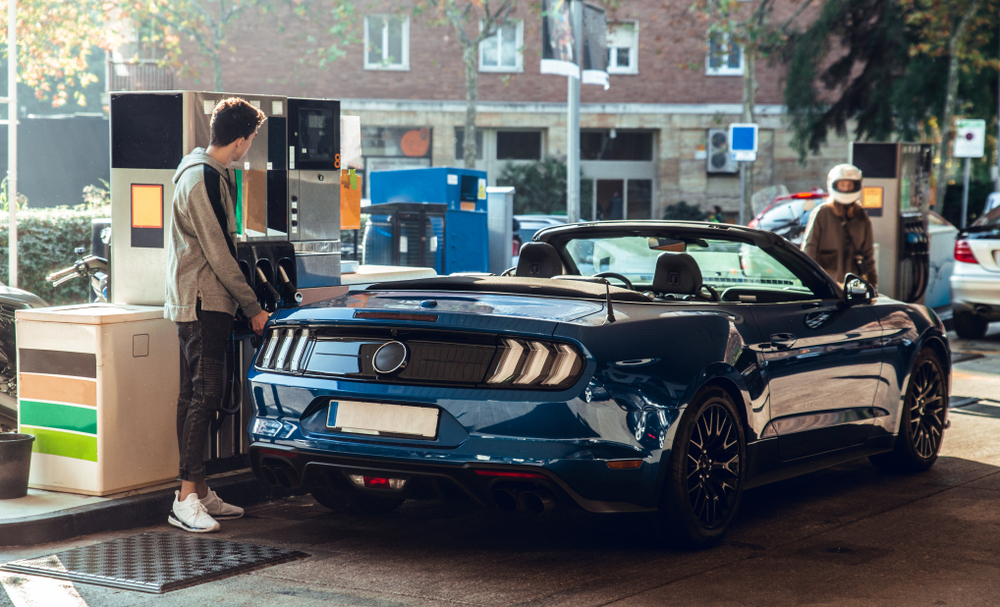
<point x="469" y="483"/>
<point x="976" y="291"/>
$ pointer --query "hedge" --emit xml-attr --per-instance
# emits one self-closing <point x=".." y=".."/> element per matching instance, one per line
<point x="46" y="239"/>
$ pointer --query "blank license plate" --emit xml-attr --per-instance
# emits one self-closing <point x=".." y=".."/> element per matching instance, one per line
<point x="381" y="419"/>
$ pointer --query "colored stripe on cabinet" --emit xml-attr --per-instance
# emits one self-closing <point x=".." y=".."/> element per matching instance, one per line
<point x="80" y="391"/>
<point x="54" y="362"/>
<point x="65" y="444"/>
<point x="59" y="417"/>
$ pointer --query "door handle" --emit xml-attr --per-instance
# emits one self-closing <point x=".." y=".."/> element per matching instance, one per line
<point x="782" y="341"/>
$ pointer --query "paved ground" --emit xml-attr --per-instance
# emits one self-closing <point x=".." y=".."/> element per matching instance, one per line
<point x="849" y="536"/>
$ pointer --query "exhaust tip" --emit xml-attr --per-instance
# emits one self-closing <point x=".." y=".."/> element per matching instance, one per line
<point x="504" y="500"/>
<point x="268" y="475"/>
<point x="286" y="477"/>
<point x="536" y="502"/>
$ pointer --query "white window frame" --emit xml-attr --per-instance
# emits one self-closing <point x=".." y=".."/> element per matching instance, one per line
<point x="724" y="69"/>
<point x="519" y="41"/>
<point x="633" y="49"/>
<point x="404" y="65"/>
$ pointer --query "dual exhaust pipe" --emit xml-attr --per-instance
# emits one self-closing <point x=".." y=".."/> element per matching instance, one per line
<point x="280" y="475"/>
<point x="535" y="501"/>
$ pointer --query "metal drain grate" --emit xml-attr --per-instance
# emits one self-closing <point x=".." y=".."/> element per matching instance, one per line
<point x="154" y="562"/>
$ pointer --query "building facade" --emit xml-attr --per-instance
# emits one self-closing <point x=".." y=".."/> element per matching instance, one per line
<point x="646" y="142"/>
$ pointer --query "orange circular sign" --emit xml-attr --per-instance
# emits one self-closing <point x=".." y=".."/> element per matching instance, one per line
<point x="415" y="143"/>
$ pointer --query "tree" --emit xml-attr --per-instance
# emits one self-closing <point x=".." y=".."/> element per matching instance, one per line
<point x="747" y="26"/>
<point x="55" y="40"/>
<point x="206" y="23"/>
<point x="460" y="14"/>
<point x="882" y="63"/>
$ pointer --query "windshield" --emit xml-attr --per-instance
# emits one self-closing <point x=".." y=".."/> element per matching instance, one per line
<point x="723" y="263"/>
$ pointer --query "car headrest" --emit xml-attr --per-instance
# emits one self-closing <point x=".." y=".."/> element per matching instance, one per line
<point x="676" y="273"/>
<point x="538" y="260"/>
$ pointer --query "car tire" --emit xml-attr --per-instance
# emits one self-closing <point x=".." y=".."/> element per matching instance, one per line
<point x="704" y="481"/>
<point x="922" y="420"/>
<point x="354" y="501"/>
<point x="970" y="326"/>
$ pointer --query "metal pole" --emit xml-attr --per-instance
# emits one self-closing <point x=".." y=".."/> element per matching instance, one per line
<point x="12" y="139"/>
<point x="573" y="120"/>
<point x="996" y="185"/>
<point x="743" y="188"/>
<point x="965" y="194"/>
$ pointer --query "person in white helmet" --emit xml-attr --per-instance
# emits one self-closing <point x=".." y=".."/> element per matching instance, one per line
<point x="839" y="235"/>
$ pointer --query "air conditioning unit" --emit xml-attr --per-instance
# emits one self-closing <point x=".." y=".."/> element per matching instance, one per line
<point x="718" y="160"/>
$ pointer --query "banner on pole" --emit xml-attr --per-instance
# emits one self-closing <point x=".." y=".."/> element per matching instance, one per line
<point x="559" y="42"/>
<point x="595" y="46"/>
<point x="557" y="39"/>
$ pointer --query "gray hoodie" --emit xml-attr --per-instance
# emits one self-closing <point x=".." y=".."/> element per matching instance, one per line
<point x="201" y="261"/>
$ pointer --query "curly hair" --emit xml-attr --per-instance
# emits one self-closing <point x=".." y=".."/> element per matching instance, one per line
<point x="234" y="118"/>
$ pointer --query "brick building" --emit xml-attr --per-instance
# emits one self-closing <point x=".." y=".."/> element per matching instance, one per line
<point x="646" y="139"/>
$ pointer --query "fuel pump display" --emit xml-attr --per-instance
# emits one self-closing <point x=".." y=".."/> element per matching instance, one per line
<point x="896" y="184"/>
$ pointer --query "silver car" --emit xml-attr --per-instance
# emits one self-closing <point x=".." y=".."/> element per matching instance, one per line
<point x="975" y="281"/>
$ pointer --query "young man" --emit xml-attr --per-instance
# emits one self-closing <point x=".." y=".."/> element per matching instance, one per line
<point x="205" y="286"/>
<point x="839" y="235"/>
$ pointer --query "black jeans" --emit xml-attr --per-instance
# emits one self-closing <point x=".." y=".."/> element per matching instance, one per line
<point x="203" y="346"/>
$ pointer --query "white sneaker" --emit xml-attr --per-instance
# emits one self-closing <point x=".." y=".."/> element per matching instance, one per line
<point x="191" y="515"/>
<point x="219" y="509"/>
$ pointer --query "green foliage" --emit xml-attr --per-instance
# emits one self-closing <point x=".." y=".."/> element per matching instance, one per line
<point x="682" y="211"/>
<point x="539" y="187"/>
<point x="45" y="242"/>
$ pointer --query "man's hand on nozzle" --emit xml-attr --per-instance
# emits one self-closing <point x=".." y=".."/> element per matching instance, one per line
<point x="257" y="322"/>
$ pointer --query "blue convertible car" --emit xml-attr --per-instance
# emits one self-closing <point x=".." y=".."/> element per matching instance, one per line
<point x="625" y="366"/>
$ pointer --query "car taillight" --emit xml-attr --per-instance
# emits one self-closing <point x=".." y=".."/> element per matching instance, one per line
<point x="283" y="350"/>
<point x="754" y="223"/>
<point x="963" y="252"/>
<point x="526" y="363"/>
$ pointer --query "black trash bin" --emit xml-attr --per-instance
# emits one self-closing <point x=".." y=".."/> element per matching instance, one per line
<point x="15" y="462"/>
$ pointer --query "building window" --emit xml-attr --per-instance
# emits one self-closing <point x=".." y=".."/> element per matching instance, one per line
<point x="519" y="145"/>
<point x="623" y="48"/>
<point x="724" y="59"/>
<point x="501" y="52"/>
<point x="387" y="42"/>
<point x="616" y="144"/>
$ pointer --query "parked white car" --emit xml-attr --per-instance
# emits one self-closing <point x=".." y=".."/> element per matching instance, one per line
<point x="975" y="281"/>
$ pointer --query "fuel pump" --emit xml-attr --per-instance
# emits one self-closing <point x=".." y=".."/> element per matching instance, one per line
<point x="287" y="214"/>
<point x="896" y="183"/>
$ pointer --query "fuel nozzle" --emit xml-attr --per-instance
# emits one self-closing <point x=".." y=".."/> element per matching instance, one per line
<point x="289" y="294"/>
<point x="270" y="294"/>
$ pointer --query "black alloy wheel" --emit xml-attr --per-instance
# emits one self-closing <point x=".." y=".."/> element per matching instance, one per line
<point x="969" y="325"/>
<point x="704" y="482"/>
<point x="922" y="419"/>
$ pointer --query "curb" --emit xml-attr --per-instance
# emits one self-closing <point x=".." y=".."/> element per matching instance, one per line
<point x="126" y="513"/>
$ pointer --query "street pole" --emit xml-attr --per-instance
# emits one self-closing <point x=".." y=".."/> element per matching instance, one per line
<point x="573" y="119"/>
<point x="743" y="187"/>
<point x="12" y="139"/>
<point x="965" y="194"/>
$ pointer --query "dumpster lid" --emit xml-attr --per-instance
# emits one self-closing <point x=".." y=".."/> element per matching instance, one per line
<point x="91" y="314"/>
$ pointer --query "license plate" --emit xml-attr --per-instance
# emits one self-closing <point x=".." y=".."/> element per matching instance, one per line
<point x="382" y="419"/>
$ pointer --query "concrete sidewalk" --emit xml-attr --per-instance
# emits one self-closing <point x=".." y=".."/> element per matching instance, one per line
<point x="49" y="516"/>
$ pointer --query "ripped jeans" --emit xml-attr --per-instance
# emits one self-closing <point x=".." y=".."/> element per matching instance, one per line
<point x="203" y="346"/>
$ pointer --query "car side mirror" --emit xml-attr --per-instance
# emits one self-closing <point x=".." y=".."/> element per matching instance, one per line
<point x="857" y="290"/>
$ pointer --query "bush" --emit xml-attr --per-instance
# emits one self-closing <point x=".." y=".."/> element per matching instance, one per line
<point x="539" y="187"/>
<point x="45" y="242"/>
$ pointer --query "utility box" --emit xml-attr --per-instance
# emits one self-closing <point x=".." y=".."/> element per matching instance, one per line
<point x="500" y="203"/>
<point x="98" y="387"/>
<point x="405" y="234"/>
<point x="462" y="191"/>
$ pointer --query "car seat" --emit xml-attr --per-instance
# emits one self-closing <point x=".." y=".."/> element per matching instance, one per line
<point x="538" y="260"/>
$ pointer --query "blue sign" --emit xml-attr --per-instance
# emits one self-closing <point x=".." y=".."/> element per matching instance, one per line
<point x="743" y="142"/>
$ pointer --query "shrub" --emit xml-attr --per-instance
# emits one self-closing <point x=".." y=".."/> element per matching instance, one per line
<point x="682" y="211"/>
<point x="45" y="242"/>
<point x="539" y="187"/>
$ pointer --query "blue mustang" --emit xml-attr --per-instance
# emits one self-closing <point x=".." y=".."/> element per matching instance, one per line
<point x="721" y="358"/>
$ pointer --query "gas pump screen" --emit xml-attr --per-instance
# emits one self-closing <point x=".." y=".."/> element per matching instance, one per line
<point x="316" y="135"/>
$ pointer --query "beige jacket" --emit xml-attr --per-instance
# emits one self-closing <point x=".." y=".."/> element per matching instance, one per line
<point x="826" y="240"/>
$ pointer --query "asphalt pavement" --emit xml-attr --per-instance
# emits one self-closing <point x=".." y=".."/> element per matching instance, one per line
<point x="847" y="536"/>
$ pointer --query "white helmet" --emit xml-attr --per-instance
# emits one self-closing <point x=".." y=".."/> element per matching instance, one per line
<point x="844" y="183"/>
